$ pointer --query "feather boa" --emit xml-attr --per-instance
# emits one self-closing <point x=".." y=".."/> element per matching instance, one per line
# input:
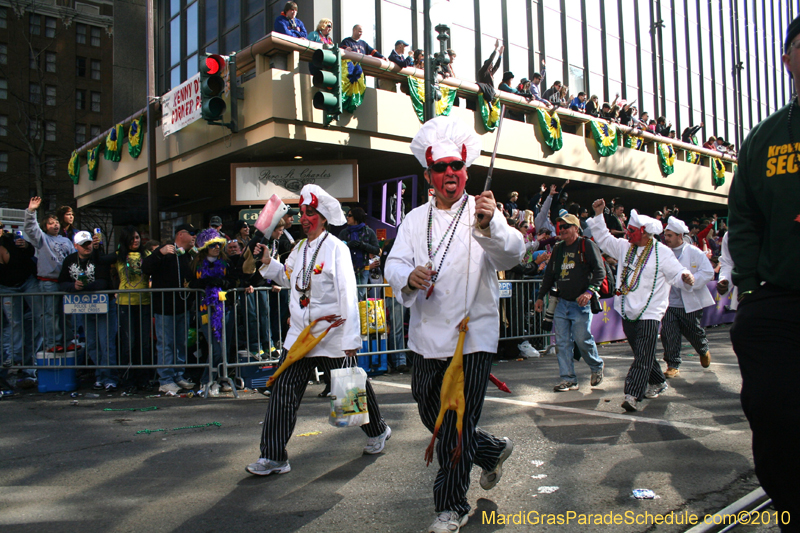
<point x="206" y="270"/>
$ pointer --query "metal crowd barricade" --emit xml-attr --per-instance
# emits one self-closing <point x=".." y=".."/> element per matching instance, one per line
<point x="99" y="330"/>
<point x="251" y="341"/>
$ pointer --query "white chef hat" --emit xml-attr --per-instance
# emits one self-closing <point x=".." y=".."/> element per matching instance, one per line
<point x="445" y="137"/>
<point x="327" y="205"/>
<point x="677" y="225"/>
<point x="650" y="225"/>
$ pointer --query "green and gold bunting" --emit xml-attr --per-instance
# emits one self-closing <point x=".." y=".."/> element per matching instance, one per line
<point x="606" y="136"/>
<point x="113" y="151"/>
<point x="637" y="143"/>
<point x="666" y="158"/>
<point x="92" y="159"/>
<point x="490" y="113"/>
<point x="693" y="157"/>
<point x="354" y="85"/>
<point x="717" y="172"/>
<point x="135" y="138"/>
<point x="74" y="167"/>
<point x="442" y="106"/>
<point x="551" y="129"/>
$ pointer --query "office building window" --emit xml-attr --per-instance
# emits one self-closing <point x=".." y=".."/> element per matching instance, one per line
<point x="3" y="54"/>
<point x="50" y="166"/>
<point x="96" y="102"/>
<point x="49" y="27"/>
<point x="95" y="35"/>
<point x="50" y="95"/>
<point x="35" y="26"/>
<point x="3" y="125"/>
<point x="50" y="131"/>
<point x="34" y="129"/>
<point x="95" y="69"/>
<point x="80" y="99"/>
<point x="50" y="61"/>
<point x="80" y="33"/>
<point x="3" y="17"/>
<point x="3" y="161"/>
<point x="80" y="67"/>
<point x="80" y="134"/>
<point x="3" y="89"/>
<point x="94" y="131"/>
<point x="35" y="93"/>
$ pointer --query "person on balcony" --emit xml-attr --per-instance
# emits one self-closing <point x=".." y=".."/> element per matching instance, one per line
<point x="323" y="32"/>
<point x="398" y="55"/>
<point x="356" y="44"/>
<point x="287" y="22"/>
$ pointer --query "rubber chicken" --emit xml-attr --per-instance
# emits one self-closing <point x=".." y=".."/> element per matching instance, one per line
<point x="451" y="397"/>
<point x="304" y="343"/>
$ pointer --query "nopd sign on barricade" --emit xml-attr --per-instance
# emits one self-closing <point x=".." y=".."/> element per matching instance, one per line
<point x="85" y="304"/>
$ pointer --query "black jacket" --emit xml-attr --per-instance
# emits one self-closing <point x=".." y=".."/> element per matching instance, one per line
<point x="169" y="271"/>
<point x="95" y="269"/>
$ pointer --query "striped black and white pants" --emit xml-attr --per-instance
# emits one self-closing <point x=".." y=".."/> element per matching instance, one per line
<point x="677" y="322"/>
<point x="478" y="446"/>
<point x="642" y="336"/>
<point x="287" y="391"/>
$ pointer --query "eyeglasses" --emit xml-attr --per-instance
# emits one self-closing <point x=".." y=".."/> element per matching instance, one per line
<point x="214" y="245"/>
<point x="441" y="167"/>
<point x="349" y="215"/>
<point x="328" y="26"/>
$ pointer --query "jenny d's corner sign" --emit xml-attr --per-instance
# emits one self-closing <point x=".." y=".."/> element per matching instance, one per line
<point x="255" y="183"/>
<point x="181" y="106"/>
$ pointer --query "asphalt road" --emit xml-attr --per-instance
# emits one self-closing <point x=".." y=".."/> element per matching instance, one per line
<point x="78" y="467"/>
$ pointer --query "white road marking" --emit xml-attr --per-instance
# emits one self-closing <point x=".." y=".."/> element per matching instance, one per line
<point x="586" y="412"/>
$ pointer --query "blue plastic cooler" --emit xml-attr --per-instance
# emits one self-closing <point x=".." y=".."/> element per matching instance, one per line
<point x="375" y="364"/>
<point x="65" y="379"/>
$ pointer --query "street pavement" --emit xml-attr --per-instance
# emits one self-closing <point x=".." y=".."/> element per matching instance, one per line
<point x="82" y="468"/>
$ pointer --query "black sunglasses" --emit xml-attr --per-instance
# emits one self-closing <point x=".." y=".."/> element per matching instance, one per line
<point x="215" y="245"/>
<point x="441" y="167"/>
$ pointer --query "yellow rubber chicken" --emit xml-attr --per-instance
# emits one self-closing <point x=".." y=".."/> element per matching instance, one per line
<point x="304" y="343"/>
<point x="451" y="397"/>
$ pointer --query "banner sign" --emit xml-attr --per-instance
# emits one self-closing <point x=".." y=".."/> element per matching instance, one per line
<point x="255" y="183"/>
<point x="85" y="304"/>
<point x="607" y="325"/>
<point x="181" y="106"/>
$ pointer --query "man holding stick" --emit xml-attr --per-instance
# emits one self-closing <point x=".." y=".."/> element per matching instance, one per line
<point x="442" y="266"/>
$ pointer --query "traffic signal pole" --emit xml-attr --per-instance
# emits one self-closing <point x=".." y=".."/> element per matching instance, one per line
<point x="152" y="173"/>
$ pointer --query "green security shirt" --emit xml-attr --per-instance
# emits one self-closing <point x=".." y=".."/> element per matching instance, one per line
<point x="764" y="206"/>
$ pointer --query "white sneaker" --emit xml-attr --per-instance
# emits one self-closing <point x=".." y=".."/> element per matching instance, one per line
<point x="653" y="391"/>
<point x="185" y="383"/>
<point x="265" y="467"/>
<point x="376" y="444"/>
<point x="448" y="522"/>
<point x="169" y="387"/>
<point x="490" y="478"/>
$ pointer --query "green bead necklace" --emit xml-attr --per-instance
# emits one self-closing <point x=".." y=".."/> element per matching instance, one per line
<point x="652" y="292"/>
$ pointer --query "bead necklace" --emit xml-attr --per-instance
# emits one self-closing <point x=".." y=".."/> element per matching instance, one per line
<point x="629" y="286"/>
<point x="451" y="228"/>
<point x="791" y="133"/>
<point x="303" y="282"/>
<point x="652" y="292"/>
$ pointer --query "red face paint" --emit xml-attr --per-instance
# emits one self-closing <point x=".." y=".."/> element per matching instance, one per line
<point x="310" y="220"/>
<point x="634" y="235"/>
<point x="450" y="184"/>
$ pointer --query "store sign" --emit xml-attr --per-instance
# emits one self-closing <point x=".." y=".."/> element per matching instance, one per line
<point x="181" y="106"/>
<point x="85" y="304"/>
<point x="255" y="183"/>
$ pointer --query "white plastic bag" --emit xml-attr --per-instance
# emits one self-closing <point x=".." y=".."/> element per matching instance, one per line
<point x="526" y="350"/>
<point x="348" y="397"/>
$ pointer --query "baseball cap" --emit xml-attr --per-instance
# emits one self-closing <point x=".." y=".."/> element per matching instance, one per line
<point x="215" y="221"/>
<point x="401" y="41"/>
<point x="292" y="212"/>
<point x="82" y="237"/>
<point x="572" y="220"/>
<point x="188" y="227"/>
